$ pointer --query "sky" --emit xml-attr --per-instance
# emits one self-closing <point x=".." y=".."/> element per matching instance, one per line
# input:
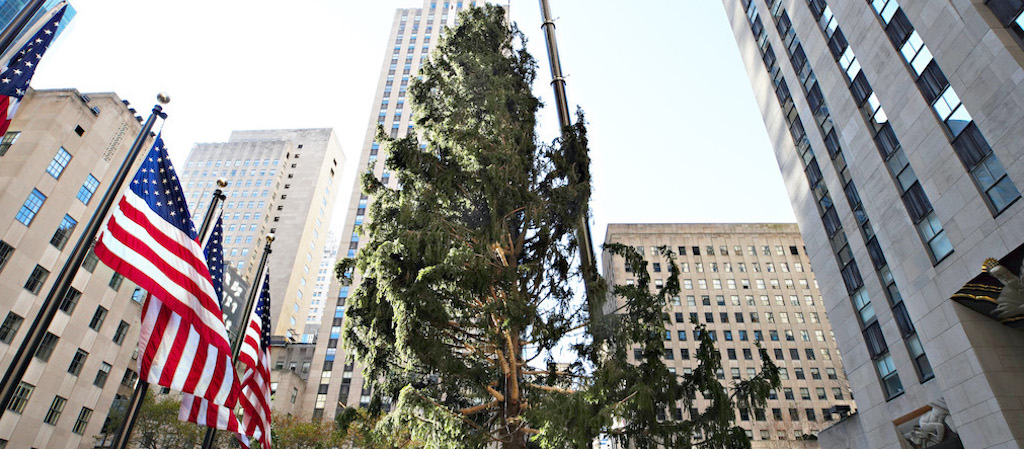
<point x="674" y="131"/>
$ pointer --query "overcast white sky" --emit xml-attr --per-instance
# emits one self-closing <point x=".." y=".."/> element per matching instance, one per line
<point x="674" y="130"/>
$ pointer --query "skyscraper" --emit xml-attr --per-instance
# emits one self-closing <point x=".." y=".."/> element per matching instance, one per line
<point x="898" y="128"/>
<point x="747" y="283"/>
<point x="281" y="182"/>
<point x="56" y="161"/>
<point x="414" y="32"/>
<point x="10" y="8"/>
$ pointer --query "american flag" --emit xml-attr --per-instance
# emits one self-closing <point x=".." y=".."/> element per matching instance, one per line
<point x="150" y="239"/>
<point x="255" y="358"/>
<point x="17" y="72"/>
<point x="195" y="409"/>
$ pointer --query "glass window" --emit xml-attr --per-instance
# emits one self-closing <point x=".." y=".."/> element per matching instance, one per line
<point x="102" y="375"/>
<point x="70" y="301"/>
<point x="97" y="318"/>
<point x="77" y="362"/>
<point x="63" y="233"/>
<point x="58" y="163"/>
<point x="46" y="347"/>
<point x="56" y="408"/>
<point x="31" y="207"/>
<point x="9" y="138"/>
<point x="82" y="422"/>
<point x="20" y="398"/>
<point x="36" y="279"/>
<point x="88" y="189"/>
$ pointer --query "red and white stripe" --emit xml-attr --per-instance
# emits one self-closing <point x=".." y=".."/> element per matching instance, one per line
<point x="8" y="106"/>
<point x="255" y="398"/>
<point x="183" y="342"/>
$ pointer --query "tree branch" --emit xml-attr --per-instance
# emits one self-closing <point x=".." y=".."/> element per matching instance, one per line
<point x="551" y="389"/>
<point x="479" y="408"/>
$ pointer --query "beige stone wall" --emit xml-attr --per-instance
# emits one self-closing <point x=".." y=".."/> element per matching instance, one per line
<point x="47" y="120"/>
<point x="783" y="304"/>
<point x="976" y="360"/>
<point x="304" y="165"/>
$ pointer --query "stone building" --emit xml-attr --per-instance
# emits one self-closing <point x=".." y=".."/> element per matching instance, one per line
<point x="414" y="33"/>
<point x="897" y="126"/>
<point x="747" y="283"/>
<point x="56" y="162"/>
<point x="281" y="182"/>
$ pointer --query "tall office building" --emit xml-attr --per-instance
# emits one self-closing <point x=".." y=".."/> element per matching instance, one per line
<point x="747" y="283"/>
<point x="280" y="182"/>
<point x="10" y="8"/>
<point x="897" y="125"/>
<point x="414" y="32"/>
<point x="56" y="161"/>
<point x="320" y="287"/>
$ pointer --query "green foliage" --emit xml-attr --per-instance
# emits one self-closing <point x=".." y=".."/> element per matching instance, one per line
<point x="158" y="427"/>
<point x="468" y="271"/>
<point x="290" y="432"/>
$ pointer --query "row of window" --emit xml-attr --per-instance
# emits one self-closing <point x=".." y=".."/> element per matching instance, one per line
<point x="723" y="250"/>
<point x="928" y="225"/>
<point x="253" y="172"/>
<point x="968" y="143"/>
<point x="759" y="415"/>
<point x="237" y="163"/>
<point x="35" y="200"/>
<point x="727" y="267"/>
<point x="830" y="220"/>
<point x="23" y="393"/>
<point x="769" y="317"/>
<point x="748" y="300"/>
<point x="730" y="284"/>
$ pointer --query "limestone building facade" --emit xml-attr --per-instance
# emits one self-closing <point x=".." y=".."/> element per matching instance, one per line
<point x="747" y="283"/>
<point x="56" y="162"/>
<point x="280" y="182"/>
<point x="335" y="379"/>
<point x="897" y="126"/>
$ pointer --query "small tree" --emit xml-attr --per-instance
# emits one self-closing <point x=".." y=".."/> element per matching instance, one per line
<point x="468" y="272"/>
<point x="290" y="432"/>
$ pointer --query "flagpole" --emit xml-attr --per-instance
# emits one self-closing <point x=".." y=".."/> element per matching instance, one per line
<point x="586" y="246"/>
<point x="236" y="345"/>
<point x="34" y="336"/>
<point x="17" y="24"/>
<point x="124" y="431"/>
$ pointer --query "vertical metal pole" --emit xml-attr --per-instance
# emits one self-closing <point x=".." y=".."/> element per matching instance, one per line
<point x="19" y="22"/>
<point x="124" y="431"/>
<point x="34" y="335"/>
<point x="587" y="263"/>
<point x="236" y="345"/>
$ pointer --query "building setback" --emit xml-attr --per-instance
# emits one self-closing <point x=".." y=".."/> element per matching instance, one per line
<point x="414" y="32"/>
<point x="56" y="162"/>
<point x="281" y="182"/>
<point x="747" y="283"/>
<point x="898" y="129"/>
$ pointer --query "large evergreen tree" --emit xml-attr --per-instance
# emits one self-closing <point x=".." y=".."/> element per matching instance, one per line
<point x="468" y="274"/>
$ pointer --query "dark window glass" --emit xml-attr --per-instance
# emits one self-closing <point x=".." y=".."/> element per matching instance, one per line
<point x="886" y="141"/>
<point x="874" y="339"/>
<point x="36" y="279"/>
<point x="932" y="82"/>
<point x="971" y="146"/>
<point x="917" y="202"/>
<point x="837" y="45"/>
<point x="70" y="301"/>
<point x="860" y="88"/>
<point x="899" y="28"/>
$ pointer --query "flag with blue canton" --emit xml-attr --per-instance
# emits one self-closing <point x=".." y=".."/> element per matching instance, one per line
<point x="17" y="73"/>
<point x="158" y="184"/>
<point x="215" y="259"/>
<point x="150" y="239"/>
<point x="263" y="311"/>
<point x="255" y="358"/>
